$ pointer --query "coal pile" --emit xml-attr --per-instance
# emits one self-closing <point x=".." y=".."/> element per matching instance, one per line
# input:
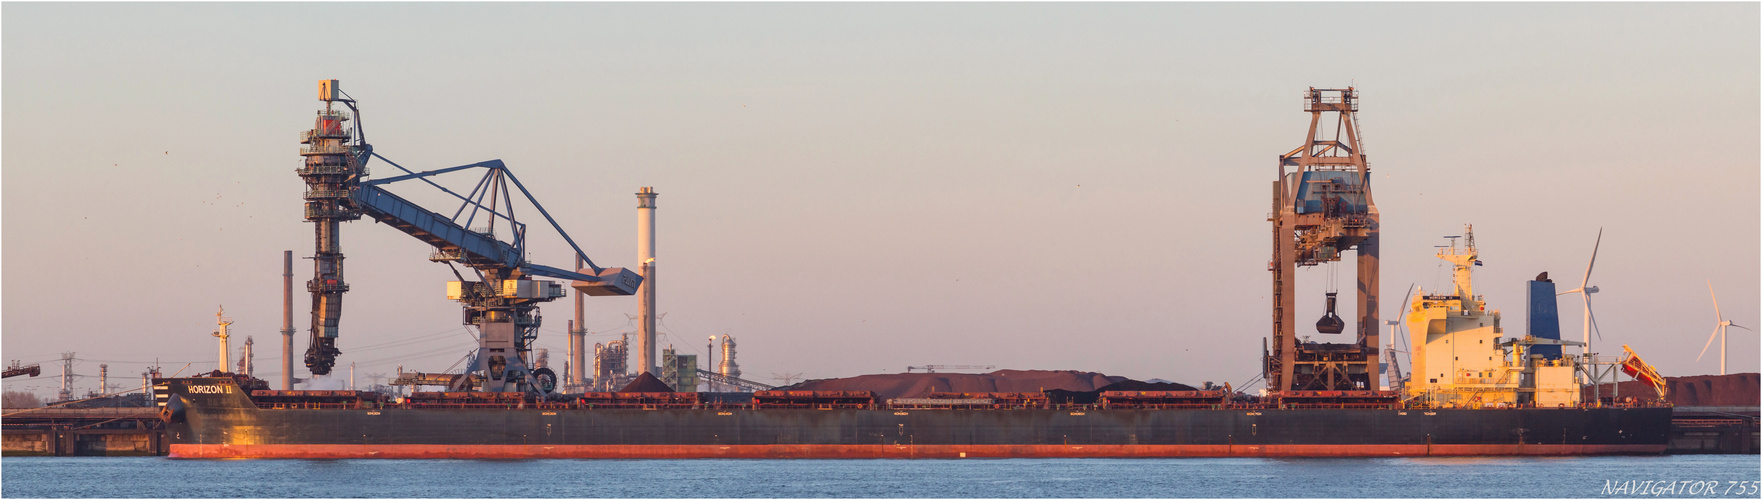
<point x="917" y="385"/>
<point x="646" y="383"/>
<point x="1737" y="389"/>
<point x="117" y="401"/>
<point x="1090" y="397"/>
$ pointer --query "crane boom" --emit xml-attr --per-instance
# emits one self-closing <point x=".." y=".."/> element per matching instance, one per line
<point x="473" y="249"/>
<point x="15" y="370"/>
<point x="731" y="381"/>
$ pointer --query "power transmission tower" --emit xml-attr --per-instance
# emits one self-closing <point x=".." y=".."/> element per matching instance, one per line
<point x="66" y="377"/>
<point x="785" y="378"/>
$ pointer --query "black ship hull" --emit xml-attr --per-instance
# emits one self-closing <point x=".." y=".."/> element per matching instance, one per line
<point x="216" y="423"/>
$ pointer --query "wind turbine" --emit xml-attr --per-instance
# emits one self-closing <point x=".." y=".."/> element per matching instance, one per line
<point x="1396" y="380"/>
<point x="1718" y="330"/>
<point x="1585" y="291"/>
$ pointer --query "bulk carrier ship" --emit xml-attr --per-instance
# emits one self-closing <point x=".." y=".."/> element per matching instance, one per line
<point x="1516" y="396"/>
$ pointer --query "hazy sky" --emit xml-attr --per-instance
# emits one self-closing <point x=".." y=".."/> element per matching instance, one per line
<point x="855" y="188"/>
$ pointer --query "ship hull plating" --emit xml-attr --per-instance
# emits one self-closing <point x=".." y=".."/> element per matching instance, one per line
<point x="227" y="425"/>
<point x="515" y="451"/>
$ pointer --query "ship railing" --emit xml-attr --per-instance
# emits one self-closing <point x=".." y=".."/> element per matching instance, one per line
<point x="313" y="405"/>
<point x="823" y="400"/>
<point x="1165" y="406"/>
<point x="814" y="406"/>
<point x="636" y="406"/>
<point x="1339" y="406"/>
<point x="449" y="404"/>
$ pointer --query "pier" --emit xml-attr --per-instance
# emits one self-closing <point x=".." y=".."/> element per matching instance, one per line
<point x="1715" y="430"/>
<point x="83" y="432"/>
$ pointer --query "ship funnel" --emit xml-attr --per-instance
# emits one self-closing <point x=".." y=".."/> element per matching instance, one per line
<point x="1543" y="320"/>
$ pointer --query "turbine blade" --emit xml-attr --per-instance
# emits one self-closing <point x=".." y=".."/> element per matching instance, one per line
<point x="1739" y="326"/>
<point x="1593" y="262"/>
<point x="1715" y="296"/>
<point x="1400" y="317"/>
<point x="1709" y="343"/>
<point x="1408" y="298"/>
<point x="1593" y="314"/>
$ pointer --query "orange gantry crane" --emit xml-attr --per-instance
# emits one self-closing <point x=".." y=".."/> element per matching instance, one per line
<point x="1322" y="207"/>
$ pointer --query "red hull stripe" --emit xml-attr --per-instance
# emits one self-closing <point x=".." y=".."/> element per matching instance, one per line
<point x="885" y="451"/>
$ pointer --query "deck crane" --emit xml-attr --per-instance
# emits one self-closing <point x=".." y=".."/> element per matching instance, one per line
<point x="501" y="301"/>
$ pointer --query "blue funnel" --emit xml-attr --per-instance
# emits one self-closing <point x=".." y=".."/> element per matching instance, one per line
<point x="1544" y="318"/>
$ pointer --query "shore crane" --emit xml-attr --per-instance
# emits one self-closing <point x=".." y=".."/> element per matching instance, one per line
<point x="1322" y="207"/>
<point x="16" y="370"/>
<point x="501" y="301"/>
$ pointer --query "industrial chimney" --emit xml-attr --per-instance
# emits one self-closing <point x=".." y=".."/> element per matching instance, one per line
<point x="645" y="254"/>
<point x="287" y="320"/>
<point x="578" y="340"/>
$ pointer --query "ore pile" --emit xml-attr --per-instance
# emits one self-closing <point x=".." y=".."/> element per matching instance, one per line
<point x="917" y="385"/>
<point x="1737" y="389"/>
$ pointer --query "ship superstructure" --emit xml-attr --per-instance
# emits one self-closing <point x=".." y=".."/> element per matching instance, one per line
<point x="1461" y="357"/>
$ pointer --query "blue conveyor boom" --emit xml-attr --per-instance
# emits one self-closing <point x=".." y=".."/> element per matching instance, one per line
<point x="478" y="250"/>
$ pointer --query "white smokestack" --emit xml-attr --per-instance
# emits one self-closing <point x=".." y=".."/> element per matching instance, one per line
<point x="578" y="340"/>
<point x="645" y="255"/>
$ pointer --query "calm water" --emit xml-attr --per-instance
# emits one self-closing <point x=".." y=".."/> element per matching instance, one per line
<point x="1013" y="478"/>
